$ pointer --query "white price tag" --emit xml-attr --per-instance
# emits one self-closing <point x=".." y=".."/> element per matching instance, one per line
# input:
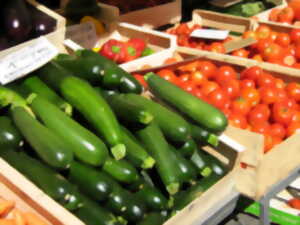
<point x="210" y="34"/>
<point x="26" y="60"/>
<point x="83" y="34"/>
<point x="231" y="143"/>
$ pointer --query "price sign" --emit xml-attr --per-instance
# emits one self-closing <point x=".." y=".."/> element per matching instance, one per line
<point x="210" y="34"/>
<point x="26" y="60"/>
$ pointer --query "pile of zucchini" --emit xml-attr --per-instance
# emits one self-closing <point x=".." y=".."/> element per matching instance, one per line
<point x="80" y="129"/>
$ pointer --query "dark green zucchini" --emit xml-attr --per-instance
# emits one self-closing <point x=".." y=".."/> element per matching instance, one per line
<point x="153" y="218"/>
<point x="128" y="84"/>
<point x="35" y="85"/>
<point x="188" y="148"/>
<point x="48" y="145"/>
<point x="174" y="127"/>
<point x="152" y="197"/>
<point x="136" y="154"/>
<point x="121" y="170"/>
<point x="203" y="136"/>
<point x="92" y="213"/>
<point x="10" y="137"/>
<point x="201" y="112"/>
<point x="166" y="162"/>
<point x="202" y="164"/>
<point x="106" y="93"/>
<point x="52" y="183"/>
<point x="87" y="147"/>
<point x="91" y="181"/>
<point x="184" y="198"/>
<point x="89" y="103"/>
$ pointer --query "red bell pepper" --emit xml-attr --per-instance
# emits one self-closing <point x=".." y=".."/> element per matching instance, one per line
<point x="114" y="50"/>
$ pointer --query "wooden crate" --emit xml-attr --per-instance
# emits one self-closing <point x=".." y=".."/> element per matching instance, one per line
<point x="14" y="186"/>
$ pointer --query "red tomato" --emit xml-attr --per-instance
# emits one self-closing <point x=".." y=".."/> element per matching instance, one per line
<point x="297" y="51"/>
<point x="240" y="106"/>
<point x="295" y="35"/>
<point x="218" y="98"/>
<point x="282" y="113"/>
<point x="196" y="27"/>
<point x="207" y="68"/>
<point x="264" y="109"/>
<point x="258" y="58"/>
<point x="293" y="128"/>
<point x="272" y="52"/>
<point x="197" y="78"/>
<point x="197" y="93"/>
<point x="276" y="141"/>
<point x="249" y="34"/>
<point x="266" y="80"/>
<point x="281" y="95"/>
<point x="252" y="73"/>
<point x="241" y="53"/>
<point x="277" y="130"/>
<point x="256" y="116"/>
<point x="293" y="90"/>
<point x="168" y="75"/>
<point x="296" y="65"/>
<point x="187" y="86"/>
<point x="224" y="74"/>
<point x="283" y="39"/>
<point x="216" y="47"/>
<point x="190" y="67"/>
<point x="208" y="87"/>
<point x="295" y="5"/>
<point x="262" y="44"/>
<point x="226" y="112"/>
<point x="183" y="40"/>
<point x="238" y="120"/>
<point x="288" y="60"/>
<point x="183" y="28"/>
<point x="231" y="88"/>
<point x="247" y="83"/>
<point x="291" y="103"/>
<point x="268" y="95"/>
<point x="294" y="203"/>
<point x="279" y="83"/>
<point x="296" y="116"/>
<point x="268" y="143"/>
<point x="286" y="15"/>
<point x="273" y="36"/>
<point x="141" y="80"/>
<point x="263" y="31"/>
<point x="183" y="78"/>
<point x="251" y="95"/>
<point x="261" y="128"/>
<point x="170" y="61"/>
<point x="273" y="16"/>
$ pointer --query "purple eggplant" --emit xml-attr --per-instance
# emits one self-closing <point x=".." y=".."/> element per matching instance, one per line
<point x="17" y="21"/>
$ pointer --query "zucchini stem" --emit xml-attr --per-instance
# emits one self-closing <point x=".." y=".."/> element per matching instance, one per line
<point x="206" y="172"/>
<point x="145" y="117"/>
<point x="173" y="188"/>
<point x="118" y="151"/>
<point x="148" y="163"/>
<point x="213" y="140"/>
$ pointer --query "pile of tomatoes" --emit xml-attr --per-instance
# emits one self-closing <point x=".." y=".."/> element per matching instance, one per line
<point x="289" y="14"/>
<point x="251" y="99"/>
<point x="274" y="47"/>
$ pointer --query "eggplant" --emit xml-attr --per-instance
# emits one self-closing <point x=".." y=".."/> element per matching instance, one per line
<point x="42" y="24"/>
<point x="17" y="21"/>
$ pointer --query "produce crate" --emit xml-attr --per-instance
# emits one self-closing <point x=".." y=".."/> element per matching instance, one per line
<point x="264" y="16"/>
<point x="14" y="186"/>
<point x="56" y="37"/>
<point x="163" y="44"/>
<point x="254" y="181"/>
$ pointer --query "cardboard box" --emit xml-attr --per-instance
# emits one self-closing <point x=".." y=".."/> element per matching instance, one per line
<point x="14" y="186"/>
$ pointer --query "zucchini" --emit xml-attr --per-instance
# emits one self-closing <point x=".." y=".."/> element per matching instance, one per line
<point x="97" y="185"/>
<point x="204" y="136"/>
<point x="92" y="213"/>
<point x="136" y="154"/>
<point x="35" y="85"/>
<point x="187" y="172"/>
<point x="184" y="198"/>
<point x="173" y="126"/>
<point x="152" y="197"/>
<point x="48" y="180"/>
<point x="128" y="84"/>
<point x="89" y="103"/>
<point x="201" y="112"/>
<point x="48" y="145"/>
<point x="129" y="111"/>
<point x="125" y="204"/>
<point x="153" y="218"/>
<point x="166" y="163"/>
<point x="202" y="164"/>
<point x="10" y="137"/>
<point x="121" y="170"/>
<point x="188" y="148"/>
<point x="106" y="93"/>
<point x="87" y="147"/>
